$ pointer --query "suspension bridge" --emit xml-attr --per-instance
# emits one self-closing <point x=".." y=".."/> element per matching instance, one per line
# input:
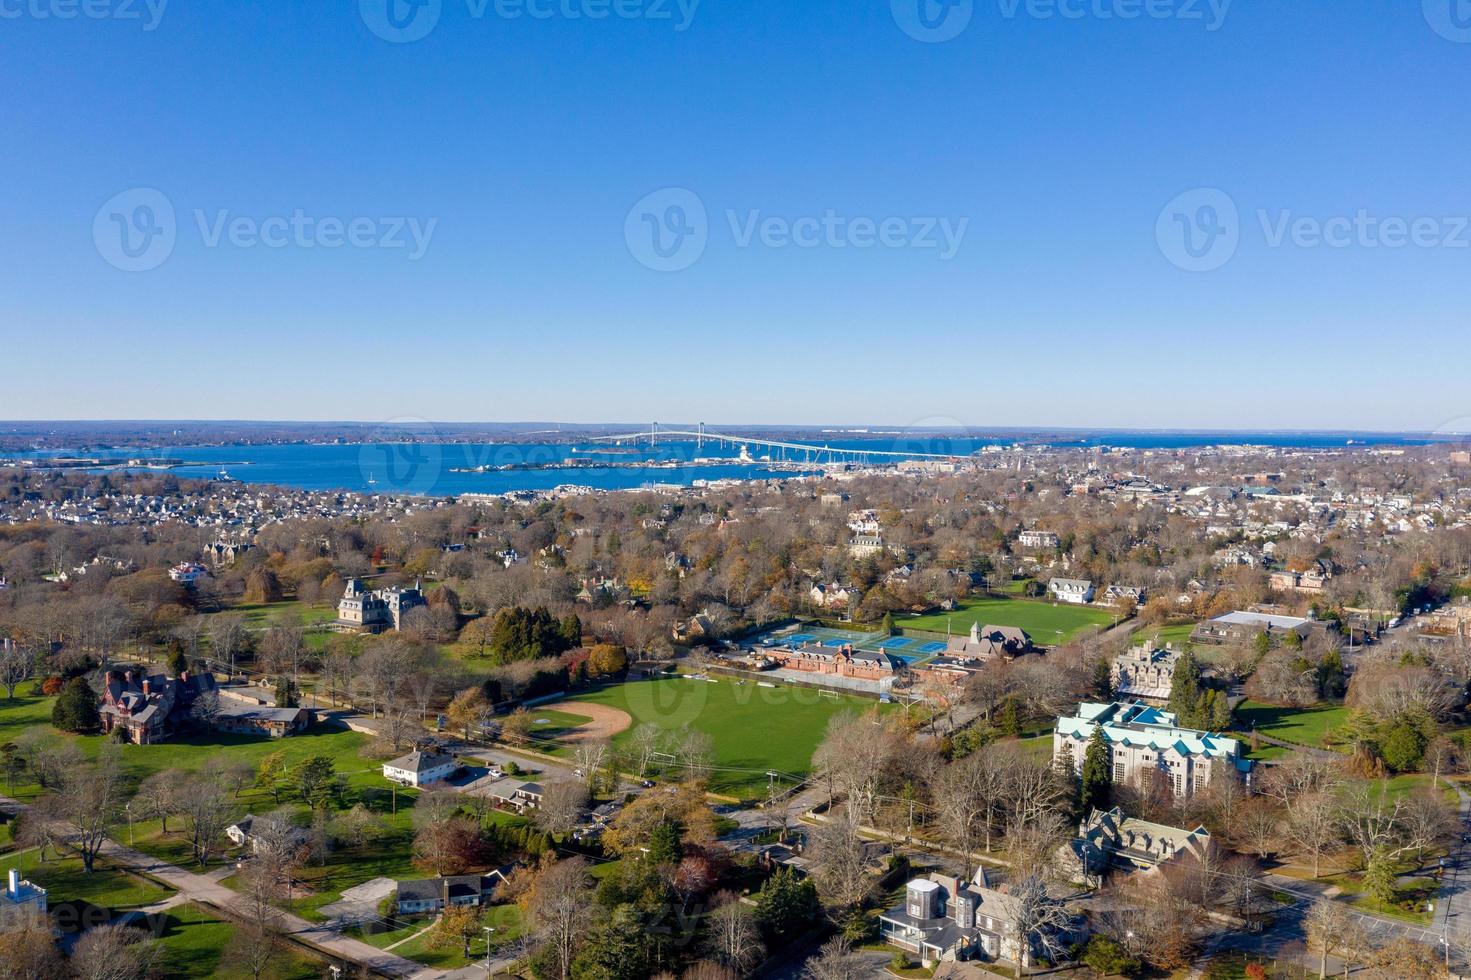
<point x="809" y="453"/>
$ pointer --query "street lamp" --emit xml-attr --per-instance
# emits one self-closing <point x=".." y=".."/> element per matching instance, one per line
<point x="488" y="931"/>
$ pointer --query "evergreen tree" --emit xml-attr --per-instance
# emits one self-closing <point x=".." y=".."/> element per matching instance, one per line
<point x="617" y="948"/>
<point x="664" y="846"/>
<point x="1103" y="680"/>
<point x="786" y="904"/>
<point x="887" y="628"/>
<point x="177" y="662"/>
<point x="76" y="709"/>
<point x="286" y="694"/>
<point x="1220" y="712"/>
<point x="1379" y="876"/>
<point x="1404" y="749"/>
<point x="1185" y="691"/>
<point x="571" y="631"/>
<point x="1097" y="777"/>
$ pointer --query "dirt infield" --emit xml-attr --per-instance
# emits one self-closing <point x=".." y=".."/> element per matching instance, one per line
<point x="606" y="722"/>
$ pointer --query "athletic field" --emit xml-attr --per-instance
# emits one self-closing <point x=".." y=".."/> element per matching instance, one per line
<point x="1048" y="623"/>
<point x="755" y="727"/>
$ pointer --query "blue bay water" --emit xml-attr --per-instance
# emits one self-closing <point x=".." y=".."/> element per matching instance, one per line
<point x="448" y="469"/>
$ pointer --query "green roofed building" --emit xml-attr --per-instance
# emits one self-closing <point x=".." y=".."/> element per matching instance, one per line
<point x="1143" y="741"/>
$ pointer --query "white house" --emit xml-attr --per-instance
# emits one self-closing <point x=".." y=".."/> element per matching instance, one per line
<point x="421" y="768"/>
<point x="1039" y="540"/>
<point x="188" y="572"/>
<point x="1074" y="590"/>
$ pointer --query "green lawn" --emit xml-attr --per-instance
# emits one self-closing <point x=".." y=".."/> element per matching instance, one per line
<point x="290" y="612"/>
<point x="505" y="919"/>
<point x="754" y="728"/>
<point x="389" y="856"/>
<point x="208" y="751"/>
<point x="65" y="881"/>
<point x="1047" y="623"/>
<point x="194" y="945"/>
<point x="1178" y="636"/>
<point x="551" y="724"/>
<point x="1306" y="726"/>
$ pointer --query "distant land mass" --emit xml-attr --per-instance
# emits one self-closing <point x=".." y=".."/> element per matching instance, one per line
<point x="92" y="436"/>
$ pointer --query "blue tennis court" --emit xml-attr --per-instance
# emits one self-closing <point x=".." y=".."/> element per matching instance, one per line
<point x="914" y="650"/>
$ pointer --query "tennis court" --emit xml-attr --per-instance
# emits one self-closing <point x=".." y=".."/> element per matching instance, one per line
<point x="905" y="648"/>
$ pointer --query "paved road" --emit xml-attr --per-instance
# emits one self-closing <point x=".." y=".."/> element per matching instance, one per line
<point x="1453" y="905"/>
<point x="206" y="890"/>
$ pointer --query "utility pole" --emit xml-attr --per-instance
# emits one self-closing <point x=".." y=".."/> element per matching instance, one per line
<point x="488" y="931"/>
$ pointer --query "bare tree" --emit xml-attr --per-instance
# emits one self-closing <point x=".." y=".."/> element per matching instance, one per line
<point x="837" y="961"/>
<point x="17" y="665"/>
<point x="1312" y="824"/>
<point x="113" y="952"/>
<point x="839" y="863"/>
<point x="158" y="797"/>
<point x="643" y="745"/>
<point x="1329" y="930"/>
<point x="89" y="801"/>
<point x="733" y="936"/>
<point x="1038" y="921"/>
<point x="203" y="799"/>
<point x="256" y="942"/>
<point x="854" y="755"/>
<point x="228" y="638"/>
<point x="562" y="807"/>
<point x="558" y="909"/>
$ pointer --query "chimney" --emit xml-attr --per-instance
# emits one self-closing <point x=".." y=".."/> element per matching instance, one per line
<point x="127" y="677"/>
<point x="12" y="886"/>
<point x="145" y="687"/>
<point x="184" y="675"/>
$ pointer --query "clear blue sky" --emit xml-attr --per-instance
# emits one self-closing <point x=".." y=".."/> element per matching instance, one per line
<point x="1060" y="140"/>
